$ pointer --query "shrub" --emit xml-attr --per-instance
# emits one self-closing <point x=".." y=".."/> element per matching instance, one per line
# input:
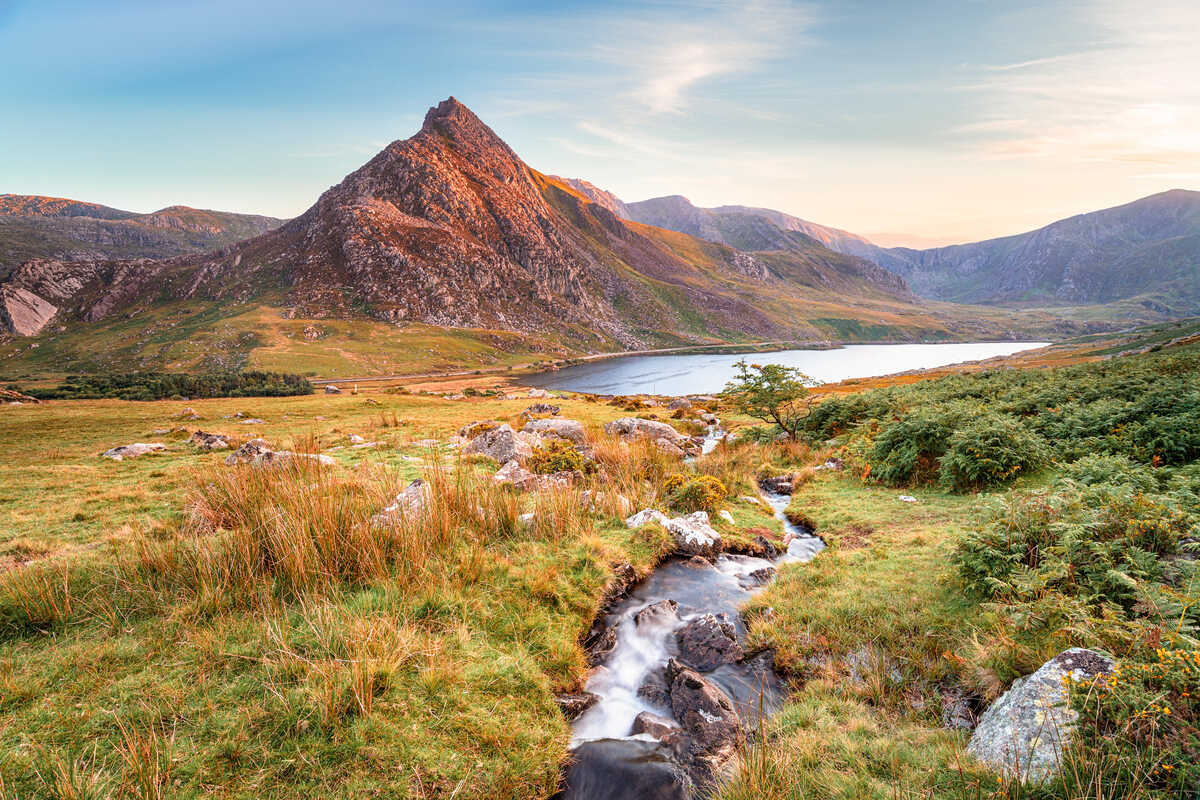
<point x="991" y="449"/>
<point x="907" y="451"/>
<point x="701" y="493"/>
<point x="1112" y="470"/>
<point x="556" y="455"/>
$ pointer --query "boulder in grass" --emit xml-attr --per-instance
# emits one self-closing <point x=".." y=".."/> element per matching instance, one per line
<point x="538" y="409"/>
<point x="210" y="441"/>
<point x="331" y="389"/>
<point x="501" y="444"/>
<point x="134" y="450"/>
<point x="520" y="478"/>
<point x="1026" y="731"/>
<point x="409" y="503"/>
<point x="629" y="428"/>
<point x="259" y="453"/>
<point x="679" y="403"/>
<point x="538" y="393"/>
<point x="569" y="429"/>
<point x="645" y="517"/>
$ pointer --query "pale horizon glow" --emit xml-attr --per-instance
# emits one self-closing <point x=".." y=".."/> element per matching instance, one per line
<point x="910" y="123"/>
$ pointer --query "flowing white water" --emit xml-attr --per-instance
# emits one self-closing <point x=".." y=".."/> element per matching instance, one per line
<point x="644" y="645"/>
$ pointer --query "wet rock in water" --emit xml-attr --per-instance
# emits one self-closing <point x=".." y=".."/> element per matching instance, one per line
<point x="760" y="577"/>
<point x="704" y="712"/>
<point x="259" y="453"/>
<point x="134" y="450"/>
<point x="653" y="725"/>
<point x="769" y="549"/>
<point x="661" y="613"/>
<point x="602" y="646"/>
<point x="698" y="562"/>
<point x="778" y="484"/>
<point x="574" y="704"/>
<point x="621" y="769"/>
<point x="210" y="441"/>
<point x="408" y="503"/>
<point x="645" y="517"/>
<point x="540" y="408"/>
<point x="707" y="642"/>
<point x="331" y="389"/>
<point x="654" y="689"/>
<point x="569" y="429"/>
<point x="501" y="444"/>
<point x="693" y="535"/>
<point x="1025" y="732"/>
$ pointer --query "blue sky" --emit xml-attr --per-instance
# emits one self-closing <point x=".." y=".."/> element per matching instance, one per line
<point x="911" y="122"/>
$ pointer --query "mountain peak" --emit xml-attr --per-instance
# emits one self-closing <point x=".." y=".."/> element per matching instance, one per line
<point x="450" y="117"/>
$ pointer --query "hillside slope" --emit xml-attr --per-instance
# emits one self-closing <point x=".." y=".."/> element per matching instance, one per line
<point x="56" y="228"/>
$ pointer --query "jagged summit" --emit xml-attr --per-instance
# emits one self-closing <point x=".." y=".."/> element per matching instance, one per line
<point x="451" y="228"/>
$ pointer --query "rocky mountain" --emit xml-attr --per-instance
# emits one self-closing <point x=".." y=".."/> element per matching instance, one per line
<point x="450" y="228"/>
<point x="69" y="230"/>
<point x="1148" y="247"/>
<point x="1147" y="252"/>
<point x="742" y="226"/>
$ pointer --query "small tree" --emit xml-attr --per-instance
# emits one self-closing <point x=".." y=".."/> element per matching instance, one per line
<point x="772" y="393"/>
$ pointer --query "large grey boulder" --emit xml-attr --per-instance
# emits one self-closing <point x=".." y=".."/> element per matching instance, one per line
<point x="1024" y="733"/>
<point x="569" y="429"/>
<point x="501" y="444"/>
<point x="703" y="710"/>
<point x="210" y="441"/>
<point x="660" y="433"/>
<point x="693" y="535"/>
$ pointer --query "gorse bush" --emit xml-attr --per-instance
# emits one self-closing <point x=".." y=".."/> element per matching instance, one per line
<point x="694" y="493"/>
<point x="556" y="455"/>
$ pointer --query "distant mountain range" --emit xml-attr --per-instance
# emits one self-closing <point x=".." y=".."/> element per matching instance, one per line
<point x="1147" y="251"/>
<point x="451" y="229"/>
<point x="70" y="230"/>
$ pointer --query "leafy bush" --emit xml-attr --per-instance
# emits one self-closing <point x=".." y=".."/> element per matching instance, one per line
<point x="700" y="493"/>
<point x="907" y="451"/>
<point x="556" y="455"/>
<point x="1099" y="469"/>
<point x="989" y="450"/>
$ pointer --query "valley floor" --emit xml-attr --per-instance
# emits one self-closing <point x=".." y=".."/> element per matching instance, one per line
<point x="173" y="627"/>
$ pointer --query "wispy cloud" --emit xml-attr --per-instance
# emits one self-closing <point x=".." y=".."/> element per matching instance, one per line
<point x="1133" y="97"/>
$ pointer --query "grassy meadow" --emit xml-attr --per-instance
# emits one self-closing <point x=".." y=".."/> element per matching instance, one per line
<point x="173" y="627"/>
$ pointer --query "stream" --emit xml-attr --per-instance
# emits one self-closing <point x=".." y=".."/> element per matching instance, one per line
<point x="611" y="762"/>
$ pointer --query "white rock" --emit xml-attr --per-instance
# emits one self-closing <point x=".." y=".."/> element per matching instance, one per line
<point x="725" y="515"/>
<point x="133" y="450"/>
<point x="906" y="498"/>
<point x="646" y="516"/>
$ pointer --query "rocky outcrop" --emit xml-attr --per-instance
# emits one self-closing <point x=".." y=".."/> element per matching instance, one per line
<point x="22" y="312"/>
<point x="1026" y="731"/>
<point x="513" y="474"/>
<point x="135" y="450"/>
<point x="501" y="444"/>
<point x="573" y="705"/>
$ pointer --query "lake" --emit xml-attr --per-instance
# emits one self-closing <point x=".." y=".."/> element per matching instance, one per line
<point x="705" y="374"/>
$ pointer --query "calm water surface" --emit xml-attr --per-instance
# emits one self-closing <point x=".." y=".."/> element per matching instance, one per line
<point x="701" y="374"/>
